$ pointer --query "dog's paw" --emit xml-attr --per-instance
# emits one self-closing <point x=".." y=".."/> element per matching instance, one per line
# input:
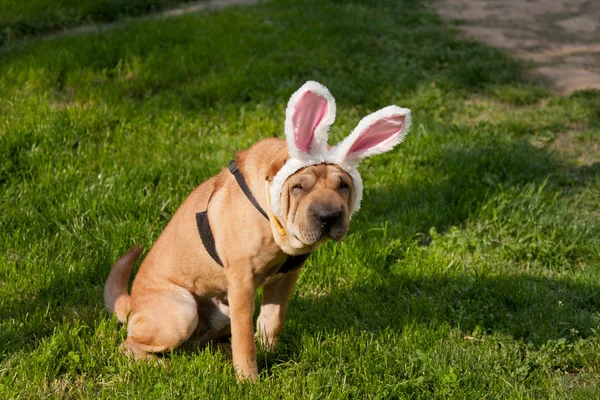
<point x="250" y="375"/>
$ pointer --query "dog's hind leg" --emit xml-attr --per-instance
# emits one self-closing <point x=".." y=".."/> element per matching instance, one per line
<point x="160" y="321"/>
<point x="213" y="324"/>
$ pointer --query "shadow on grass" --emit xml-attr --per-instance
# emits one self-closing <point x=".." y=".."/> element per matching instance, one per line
<point x="537" y="312"/>
<point x="520" y="306"/>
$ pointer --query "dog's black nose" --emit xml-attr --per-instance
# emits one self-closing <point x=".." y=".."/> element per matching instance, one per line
<point x="328" y="217"/>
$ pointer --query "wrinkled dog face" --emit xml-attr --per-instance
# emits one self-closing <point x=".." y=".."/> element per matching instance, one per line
<point x="316" y="201"/>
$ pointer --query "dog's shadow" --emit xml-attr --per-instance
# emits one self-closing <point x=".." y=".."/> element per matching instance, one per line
<point x="528" y="309"/>
<point x="524" y="307"/>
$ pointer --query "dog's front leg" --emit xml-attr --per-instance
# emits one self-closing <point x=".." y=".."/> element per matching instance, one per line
<point x="241" y="295"/>
<point x="276" y="297"/>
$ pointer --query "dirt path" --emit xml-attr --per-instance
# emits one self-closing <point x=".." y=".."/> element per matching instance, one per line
<point x="562" y="37"/>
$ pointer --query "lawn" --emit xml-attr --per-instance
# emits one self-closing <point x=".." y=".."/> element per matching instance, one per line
<point x="471" y="271"/>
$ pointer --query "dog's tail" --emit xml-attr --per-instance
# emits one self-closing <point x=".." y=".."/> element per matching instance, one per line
<point x="116" y="298"/>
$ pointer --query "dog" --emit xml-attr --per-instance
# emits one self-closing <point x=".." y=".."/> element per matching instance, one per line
<point x="252" y="225"/>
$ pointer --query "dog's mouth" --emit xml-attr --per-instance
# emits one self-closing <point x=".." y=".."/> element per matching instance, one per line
<point x="334" y="228"/>
<point x="313" y="236"/>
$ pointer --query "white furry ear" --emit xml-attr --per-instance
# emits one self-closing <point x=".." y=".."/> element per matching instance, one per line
<point x="375" y="134"/>
<point x="309" y="114"/>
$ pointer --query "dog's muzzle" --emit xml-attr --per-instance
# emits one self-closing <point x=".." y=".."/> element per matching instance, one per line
<point x="326" y="222"/>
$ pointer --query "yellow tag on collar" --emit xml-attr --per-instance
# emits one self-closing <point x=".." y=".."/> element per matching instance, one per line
<point x="272" y="217"/>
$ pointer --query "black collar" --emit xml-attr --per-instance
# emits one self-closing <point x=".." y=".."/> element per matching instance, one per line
<point x="291" y="264"/>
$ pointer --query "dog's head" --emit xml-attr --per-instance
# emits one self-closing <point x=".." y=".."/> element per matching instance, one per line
<point x="316" y="201"/>
<point x="315" y="188"/>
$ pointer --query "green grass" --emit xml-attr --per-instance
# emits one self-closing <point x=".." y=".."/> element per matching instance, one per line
<point x="20" y="18"/>
<point x="472" y="270"/>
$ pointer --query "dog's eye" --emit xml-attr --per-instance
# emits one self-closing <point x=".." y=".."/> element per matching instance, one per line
<point x="344" y="187"/>
<point x="297" y="188"/>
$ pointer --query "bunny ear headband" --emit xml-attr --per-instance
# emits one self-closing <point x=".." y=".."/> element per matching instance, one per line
<point x="309" y="114"/>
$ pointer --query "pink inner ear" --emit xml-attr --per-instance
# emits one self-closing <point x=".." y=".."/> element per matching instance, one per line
<point x="310" y="110"/>
<point x="383" y="130"/>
